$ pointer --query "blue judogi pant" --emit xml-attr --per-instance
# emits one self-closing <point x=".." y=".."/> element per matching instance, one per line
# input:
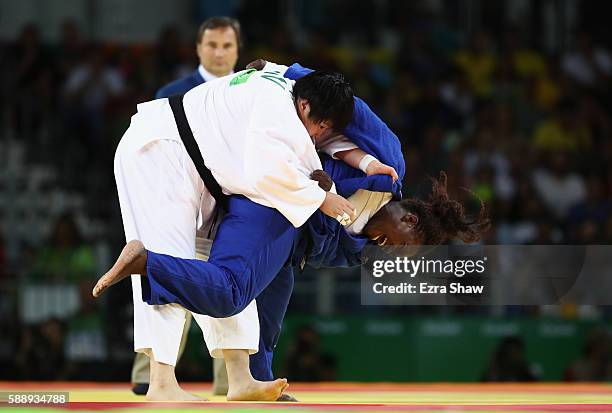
<point x="271" y="307"/>
<point x="250" y="258"/>
<point x="252" y="245"/>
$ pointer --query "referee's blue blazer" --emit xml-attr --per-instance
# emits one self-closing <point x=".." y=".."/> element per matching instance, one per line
<point x="180" y="86"/>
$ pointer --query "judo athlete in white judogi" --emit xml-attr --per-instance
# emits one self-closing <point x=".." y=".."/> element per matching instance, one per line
<point x="256" y="138"/>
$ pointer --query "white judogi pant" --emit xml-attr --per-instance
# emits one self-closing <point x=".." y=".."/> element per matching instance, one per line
<point x="161" y="196"/>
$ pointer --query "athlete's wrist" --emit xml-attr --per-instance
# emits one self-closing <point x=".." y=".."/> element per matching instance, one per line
<point x="365" y="162"/>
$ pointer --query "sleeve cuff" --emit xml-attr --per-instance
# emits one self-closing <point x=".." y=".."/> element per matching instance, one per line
<point x="365" y="162"/>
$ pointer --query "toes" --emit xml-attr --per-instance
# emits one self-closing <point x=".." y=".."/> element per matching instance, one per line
<point x="98" y="289"/>
<point x="282" y="385"/>
<point x="286" y="398"/>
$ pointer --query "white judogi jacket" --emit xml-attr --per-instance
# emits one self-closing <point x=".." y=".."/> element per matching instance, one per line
<point x="250" y="137"/>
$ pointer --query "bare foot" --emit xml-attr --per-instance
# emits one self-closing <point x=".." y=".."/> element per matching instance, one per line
<point x="132" y="260"/>
<point x="265" y="391"/>
<point x="163" y="394"/>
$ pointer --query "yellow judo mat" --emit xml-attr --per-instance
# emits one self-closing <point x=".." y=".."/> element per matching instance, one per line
<point x="326" y="397"/>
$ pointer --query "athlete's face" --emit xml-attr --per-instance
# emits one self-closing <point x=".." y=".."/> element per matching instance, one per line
<point x="317" y="130"/>
<point x="218" y="50"/>
<point x="394" y="225"/>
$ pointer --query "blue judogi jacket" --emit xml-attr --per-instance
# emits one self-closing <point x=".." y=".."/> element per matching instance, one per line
<point x="180" y="86"/>
<point x="322" y="241"/>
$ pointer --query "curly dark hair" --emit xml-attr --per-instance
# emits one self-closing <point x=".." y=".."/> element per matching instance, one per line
<point x="442" y="219"/>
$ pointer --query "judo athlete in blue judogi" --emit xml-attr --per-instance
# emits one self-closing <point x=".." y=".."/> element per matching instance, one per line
<point x="323" y="242"/>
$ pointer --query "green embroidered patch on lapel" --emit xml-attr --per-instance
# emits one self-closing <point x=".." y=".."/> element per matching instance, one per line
<point x="242" y="77"/>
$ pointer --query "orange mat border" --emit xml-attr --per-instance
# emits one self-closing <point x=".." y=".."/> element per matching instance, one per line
<point x="352" y="386"/>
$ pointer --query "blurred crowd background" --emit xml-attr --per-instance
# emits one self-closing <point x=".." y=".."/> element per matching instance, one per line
<point x="509" y="97"/>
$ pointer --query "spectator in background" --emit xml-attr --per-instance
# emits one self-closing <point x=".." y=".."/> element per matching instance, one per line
<point x="488" y="151"/>
<point x="508" y="363"/>
<point x="278" y="48"/>
<point x="89" y="88"/>
<point x="558" y="186"/>
<point x="522" y="219"/>
<point x="607" y="231"/>
<point x="3" y="269"/>
<point x="596" y="361"/>
<point x="305" y="362"/>
<point x="545" y="90"/>
<point x="92" y="84"/>
<point x="416" y="55"/>
<point x="483" y="184"/>
<point x="65" y="257"/>
<point x="71" y="48"/>
<point x="169" y="54"/>
<point x="565" y="131"/>
<point x="456" y="94"/>
<point x="526" y="62"/>
<point x="41" y="351"/>
<point x="84" y="333"/>
<point x="587" y="233"/>
<point x="430" y="111"/>
<point x="588" y="65"/>
<point x="31" y="75"/>
<point x="595" y="208"/>
<point x="595" y="118"/>
<point x="478" y="62"/>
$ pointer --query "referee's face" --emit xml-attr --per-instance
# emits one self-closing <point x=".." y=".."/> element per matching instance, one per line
<point x="218" y="50"/>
